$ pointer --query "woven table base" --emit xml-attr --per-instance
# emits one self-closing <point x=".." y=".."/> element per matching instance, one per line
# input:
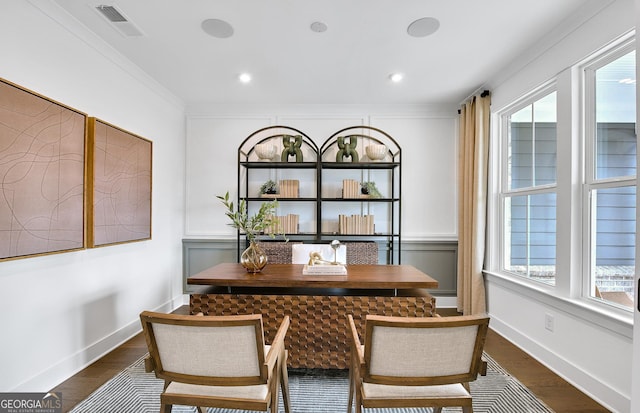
<point x="317" y="336"/>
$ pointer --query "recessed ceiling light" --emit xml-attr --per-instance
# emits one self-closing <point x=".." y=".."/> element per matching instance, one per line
<point x="318" y="27"/>
<point x="217" y="28"/>
<point x="396" y="77"/>
<point x="423" y="27"/>
<point x="244" y="77"/>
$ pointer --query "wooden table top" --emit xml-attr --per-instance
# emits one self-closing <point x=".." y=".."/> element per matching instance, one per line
<point x="290" y="275"/>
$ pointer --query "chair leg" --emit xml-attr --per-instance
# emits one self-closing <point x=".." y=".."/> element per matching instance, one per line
<point x="165" y="408"/>
<point x="467" y="409"/>
<point x="284" y="383"/>
<point x="274" y="391"/>
<point x="358" y="394"/>
<point x="437" y="409"/>
<point x="351" y="385"/>
<point x="201" y="410"/>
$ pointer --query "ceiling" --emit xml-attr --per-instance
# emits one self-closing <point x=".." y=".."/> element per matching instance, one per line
<point x="349" y="63"/>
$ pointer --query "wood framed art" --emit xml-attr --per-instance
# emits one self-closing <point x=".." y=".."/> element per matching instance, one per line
<point x="42" y="174"/>
<point x="119" y="177"/>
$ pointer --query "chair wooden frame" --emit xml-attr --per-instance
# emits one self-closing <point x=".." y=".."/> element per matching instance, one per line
<point x="271" y="365"/>
<point x="457" y="384"/>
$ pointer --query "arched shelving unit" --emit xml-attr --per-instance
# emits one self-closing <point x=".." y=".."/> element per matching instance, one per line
<point x="320" y="197"/>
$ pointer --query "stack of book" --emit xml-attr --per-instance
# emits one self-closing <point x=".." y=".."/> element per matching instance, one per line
<point x="356" y="224"/>
<point x="289" y="188"/>
<point x="287" y="224"/>
<point x="324" y="269"/>
<point x="350" y="188"/>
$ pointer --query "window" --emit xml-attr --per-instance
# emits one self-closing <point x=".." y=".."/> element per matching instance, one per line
<point x="587" y="117"/>
<point x="529" y="188"/>
<point x="610" y="177"/>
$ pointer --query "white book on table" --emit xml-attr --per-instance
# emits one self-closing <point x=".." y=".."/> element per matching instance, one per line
<point x="326" y="269"/>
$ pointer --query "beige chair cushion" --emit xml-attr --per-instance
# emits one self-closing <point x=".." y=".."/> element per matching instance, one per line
<point x="228" y="351"/>
<point x="257" y="392"/>
<point x="427" y="352"/>
<point x="382" y="391"/>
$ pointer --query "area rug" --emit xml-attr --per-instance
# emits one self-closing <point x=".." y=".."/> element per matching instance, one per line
<point x="316" y="391"/>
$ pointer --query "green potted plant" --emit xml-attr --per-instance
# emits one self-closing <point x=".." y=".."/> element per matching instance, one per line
<point x="369" y="188"/>
<point x="253" y="258"/>
<point x="268" y="187"/>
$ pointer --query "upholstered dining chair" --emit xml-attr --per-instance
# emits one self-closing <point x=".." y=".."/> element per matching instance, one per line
<point x="278" y="252"/>
<point x="416" y="362"/>
<point x="222" y="361"/>
<point x="348" y="252"/>
<point x="300" y="253"/>
<point x="365" y="252"/>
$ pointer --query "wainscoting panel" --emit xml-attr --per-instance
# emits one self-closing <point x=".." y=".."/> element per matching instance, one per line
<point x="439" y="259"/>
<point x="436" y="258"/>
<point x="200" y="254"/>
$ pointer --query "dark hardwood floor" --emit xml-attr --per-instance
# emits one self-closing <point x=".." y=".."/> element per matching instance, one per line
<point x="554" y="391"/>
<point x="549" y="387"/>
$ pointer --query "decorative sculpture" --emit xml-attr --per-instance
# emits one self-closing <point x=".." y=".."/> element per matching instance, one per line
<point x="292" y="146"/>
<point x="315" y="258"/>
<point x="347" y="149"/>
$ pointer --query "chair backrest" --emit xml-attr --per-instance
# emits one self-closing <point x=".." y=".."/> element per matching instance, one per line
<point x="278" y="252"/>
<point x="423" y="351"/>
<point x="300" y="253"/>
<point x="222" y="350"/>
<point x="362" y="252"/>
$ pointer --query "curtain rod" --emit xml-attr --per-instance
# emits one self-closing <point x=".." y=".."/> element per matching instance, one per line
<point x="484" y="93"/>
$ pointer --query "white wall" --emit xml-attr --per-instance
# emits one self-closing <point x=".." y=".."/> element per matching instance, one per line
<point x="427" y="135"/>
<point x="590" y="349"/>
<point x="60" y="312"/>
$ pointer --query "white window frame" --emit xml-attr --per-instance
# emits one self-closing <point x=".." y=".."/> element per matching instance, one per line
<point x="590" y="183"/>
<point x="504" y="191"/>
<point x="567" y="293"/>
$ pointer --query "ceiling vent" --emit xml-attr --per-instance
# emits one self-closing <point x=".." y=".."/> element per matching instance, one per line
<point x="118" y="20"/>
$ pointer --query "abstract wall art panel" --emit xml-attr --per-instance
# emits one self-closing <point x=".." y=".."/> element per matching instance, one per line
<point x="42" y="172"/>
<point x="120" y="180"/>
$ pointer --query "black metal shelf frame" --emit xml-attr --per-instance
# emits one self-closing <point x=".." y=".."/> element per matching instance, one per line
<point x="321" y="159"/>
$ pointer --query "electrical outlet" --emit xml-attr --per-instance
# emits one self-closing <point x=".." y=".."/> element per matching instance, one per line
<point x="548" y="322"/>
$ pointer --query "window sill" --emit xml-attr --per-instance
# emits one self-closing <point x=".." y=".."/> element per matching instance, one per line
<point x="615" y="320"/>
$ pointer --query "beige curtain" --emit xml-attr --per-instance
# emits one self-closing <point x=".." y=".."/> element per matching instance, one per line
<point x="473" y="159"/>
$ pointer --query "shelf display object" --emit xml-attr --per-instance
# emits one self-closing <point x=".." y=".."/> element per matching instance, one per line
<point x="280" y="162"/>
<point x="359" y="184"/>
<point x="348" y="189"/>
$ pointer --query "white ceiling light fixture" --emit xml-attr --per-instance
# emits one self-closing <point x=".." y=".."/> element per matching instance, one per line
<point x="396" y="77"/>
<point x="423" y="27"/>
<point x="217" y="28"/>
<point x="318" y="27"/>
<point x="244" y="78"/>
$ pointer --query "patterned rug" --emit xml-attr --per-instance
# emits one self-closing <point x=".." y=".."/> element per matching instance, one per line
<point x="134" y="391"/>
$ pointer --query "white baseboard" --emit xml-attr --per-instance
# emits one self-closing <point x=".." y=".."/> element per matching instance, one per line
<point x="446" y="302"/>
<point x="564" y="368"/>
<point x="62" y="370"/>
